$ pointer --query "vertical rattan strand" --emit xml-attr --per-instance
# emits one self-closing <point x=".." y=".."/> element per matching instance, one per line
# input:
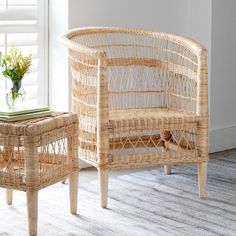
<point x="202" y="111"/>
<point x="8" y="151"/>
<point x="102" y="128"/>
<point x="166" y="135"/>
<point x="32" y="182"/>
<point x="73" y="178"/>
<point x="202" y="89"/>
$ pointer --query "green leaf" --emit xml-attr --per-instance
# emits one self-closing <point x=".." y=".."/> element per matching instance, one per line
<point x="15" y="65"/>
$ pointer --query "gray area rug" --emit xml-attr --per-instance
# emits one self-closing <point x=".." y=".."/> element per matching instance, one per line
<point x="145" y="203"/>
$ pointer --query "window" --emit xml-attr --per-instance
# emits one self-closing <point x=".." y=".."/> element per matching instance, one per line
<point x="23" y="24"/>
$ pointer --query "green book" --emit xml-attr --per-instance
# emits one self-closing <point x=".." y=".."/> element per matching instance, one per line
<point x="22" y="110"/>
<point x="25" y="116"/>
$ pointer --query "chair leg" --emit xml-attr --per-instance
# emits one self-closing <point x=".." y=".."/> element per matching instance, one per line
<point x="166" y="135"/>
<point x="9" y="196"/>
<point x="202" y="179"/>
<point x="103" y="175"/>
<point x="73" y="186"/>
<point x="167" y="169"/>
<point x="32" y="206"/>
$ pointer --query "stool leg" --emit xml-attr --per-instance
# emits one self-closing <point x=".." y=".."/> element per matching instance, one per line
<point x="167" y="169"/>
<point x="103" y="183"/>
<point x="9" y="196"/>
<point x="202" y="179"/>
<point x="32" y="206"/>
<point x="73" y="186"/>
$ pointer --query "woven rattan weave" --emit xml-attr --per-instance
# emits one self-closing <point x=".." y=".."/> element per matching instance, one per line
<point x="36" y="153"/>
<point x="142" y="100"/>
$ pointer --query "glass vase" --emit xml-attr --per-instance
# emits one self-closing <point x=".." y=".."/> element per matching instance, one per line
<point x="16" y="96"/>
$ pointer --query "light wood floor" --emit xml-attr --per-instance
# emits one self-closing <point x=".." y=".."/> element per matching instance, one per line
<point x="141" y="202"/>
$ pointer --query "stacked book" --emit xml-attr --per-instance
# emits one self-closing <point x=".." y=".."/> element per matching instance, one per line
<point x="23" y="113"/>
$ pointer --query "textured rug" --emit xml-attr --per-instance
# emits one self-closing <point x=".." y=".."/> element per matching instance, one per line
<point x="145" y="203"/>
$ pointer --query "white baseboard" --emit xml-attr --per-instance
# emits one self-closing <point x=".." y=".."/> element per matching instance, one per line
<point x="222" y="139"/>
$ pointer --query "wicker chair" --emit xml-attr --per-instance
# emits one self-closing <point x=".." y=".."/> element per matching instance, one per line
<point x="142" y="100"/>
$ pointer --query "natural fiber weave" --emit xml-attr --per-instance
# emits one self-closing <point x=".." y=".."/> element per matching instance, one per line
<point x="138" y="89"/>
<point x="141" y="98"/>
<point x="38" y="152"/>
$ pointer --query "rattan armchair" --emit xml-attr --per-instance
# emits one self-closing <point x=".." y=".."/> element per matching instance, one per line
<point x="142" y="100"/>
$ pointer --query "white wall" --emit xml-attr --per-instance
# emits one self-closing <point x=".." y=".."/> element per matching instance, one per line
<point x="58" y="62"/>
<point x="126" y="13"/>
<point x="184" y="17"/>
<point x="223" y="76"/>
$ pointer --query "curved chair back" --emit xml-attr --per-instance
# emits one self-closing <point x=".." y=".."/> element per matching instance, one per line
<point x="144" y="69"/>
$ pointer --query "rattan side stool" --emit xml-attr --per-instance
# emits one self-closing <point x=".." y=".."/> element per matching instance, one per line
<point x="37" y="153"/>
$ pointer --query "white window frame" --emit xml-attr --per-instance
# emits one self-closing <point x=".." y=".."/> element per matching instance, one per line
<point x="43" y="52"/>
<point x="43" y="24"/>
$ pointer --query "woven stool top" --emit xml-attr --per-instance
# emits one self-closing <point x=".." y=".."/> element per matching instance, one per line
<point x="37" y="126"/>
